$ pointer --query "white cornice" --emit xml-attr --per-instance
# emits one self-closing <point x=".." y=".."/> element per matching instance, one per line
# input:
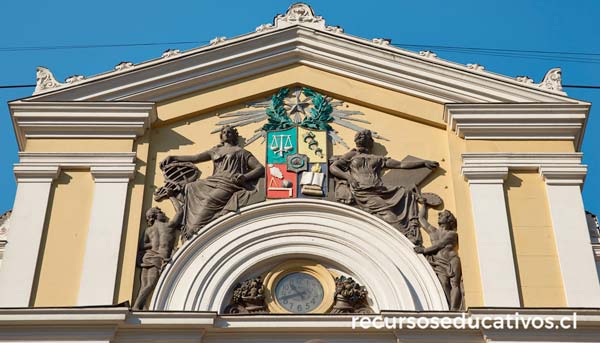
<point x="556" y="168"/>
<point x="104" y="166"/>
<point x="80" y="119"/>
<point x="526" y="121"/>
<point x="267" y="50"/>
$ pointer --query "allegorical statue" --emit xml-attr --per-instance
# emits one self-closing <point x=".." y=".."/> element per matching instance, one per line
<point x="157" y="247"/>
<point x="235" y="175"/>
<point x="442" y="255"/>
<point x="361" y="171"/>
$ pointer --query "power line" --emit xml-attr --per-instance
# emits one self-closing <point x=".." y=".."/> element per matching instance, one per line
<point x="564" y="86"/>
<point x="91" y="46"/>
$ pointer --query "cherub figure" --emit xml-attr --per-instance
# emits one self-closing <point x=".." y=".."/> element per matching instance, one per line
<point x="442" y="255"/>
<point x="159" y="241"/>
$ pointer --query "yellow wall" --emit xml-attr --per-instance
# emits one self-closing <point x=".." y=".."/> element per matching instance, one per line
<point x="413" y="126"/>
<point x="535" y="249"/>
<point x="78" y="145"/>
<point x="64" y="241"/>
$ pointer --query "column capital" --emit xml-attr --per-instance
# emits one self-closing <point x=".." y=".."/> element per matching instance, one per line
<point x="36" y="173"/>
<point x="574" y="175"/>
<point x="113" y="173"/>
<point x="485" y="174"/>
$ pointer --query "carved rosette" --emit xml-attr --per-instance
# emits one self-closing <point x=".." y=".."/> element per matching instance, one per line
<point x="248" y="297"/>
<point x="350" y="297"/>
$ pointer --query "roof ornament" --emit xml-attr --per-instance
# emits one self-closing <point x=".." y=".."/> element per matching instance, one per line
<point x="300" y="14"/>
<point x="217" y="40"/>
<point x="74" y="78"/>
<point x="524" y="79"/>
<point x="265" y="27"/>
<point x="553" y="80"/>
<point x="476" y="67"/>
<point x="123" y="66"/>
<point x="45" y="80"/>
<point x="170" y="53"/>
<point x="428" y="54"/>
<point x="382" y="41"/>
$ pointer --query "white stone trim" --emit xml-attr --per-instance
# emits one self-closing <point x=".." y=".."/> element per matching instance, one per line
<point x="27" y="225"/>
<point x="494" y="243"/>
<point x="35" y="173"/>
<point x="564" y="174"/>
<point x="575" y="253"/>
<point x="342" y="54"/>
<point x="80" y="119"/>
<point x="525" y="121"/>
<point x="202" y="273"/>
<point x="119" y="325"/>
<point x="101" y="257"/>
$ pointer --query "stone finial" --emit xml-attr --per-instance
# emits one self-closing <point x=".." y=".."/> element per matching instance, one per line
<point x="524" y="79"/>
<point x="553" y="80"/>
<point x="123" y="66"/>
<point x="382" y="41"/>
<point x="170" y="53"/>
<point x="428" y="54"/>
<point x="45" y="80"/>
<point x="475" y="66"/>
<point x="264" y="27"/>
<point x="300" y="14"/>
<point x="74" y="78"/>
<point x="217" y="40"/>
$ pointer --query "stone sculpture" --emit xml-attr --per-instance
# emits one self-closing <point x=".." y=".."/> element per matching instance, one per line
<point x="359" y="182"/>
<point x="157" y="247"/>
<point x="248" y="297"/>
<point x="442" y="255"/>
<point x="235" y="175"/>
<point x="350" y="297"/>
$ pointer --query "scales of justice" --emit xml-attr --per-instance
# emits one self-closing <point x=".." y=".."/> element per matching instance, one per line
<point x="281" y="144"/>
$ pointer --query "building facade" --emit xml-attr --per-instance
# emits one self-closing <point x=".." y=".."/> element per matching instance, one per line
<point x="278" y="185"/>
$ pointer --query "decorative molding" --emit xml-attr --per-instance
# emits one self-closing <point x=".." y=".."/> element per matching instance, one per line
<point x="217" y="40"/>
<point x="35" y="173"/>
<point x="551" y="121"/>
<point x="524" y="79"/>
<point x="170" y="53"/>
<point x="124" y="66"/>
<point x="292" y="40"/>
<point x="300" y="14"/>
<point x="485" y="174"/>
<point x="264" y="27"/>
<point x="553" y="81"/>
<point x="327" y="228"/>
<point x="476" y="67"/>
<point x="76" y="160"/>
<point x="381" y="41"/>
<point x="428" y="54"/>
<point x="556" y="168"/>
<point x="74" y="79"/>
<point x="80" y="119"/>
<point x="45" y="80"/>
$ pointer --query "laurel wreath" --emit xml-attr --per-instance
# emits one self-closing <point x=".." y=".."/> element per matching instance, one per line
<point x="318" y="119"/>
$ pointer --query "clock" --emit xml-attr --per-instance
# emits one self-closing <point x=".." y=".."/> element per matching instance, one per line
<point x="299" y="286"/>
<point x="299" y="292"/>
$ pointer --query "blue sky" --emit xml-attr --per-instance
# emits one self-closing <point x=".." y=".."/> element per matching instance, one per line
<point x="548" y="25"/>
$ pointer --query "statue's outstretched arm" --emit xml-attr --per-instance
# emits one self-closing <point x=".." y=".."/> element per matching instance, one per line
<point x="430" y="229"/>
<point x="395" y="164"/>
<point x="201" y="157"/>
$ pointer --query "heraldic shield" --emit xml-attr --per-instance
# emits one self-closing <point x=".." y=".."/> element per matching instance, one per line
<point x="297" y="163"/>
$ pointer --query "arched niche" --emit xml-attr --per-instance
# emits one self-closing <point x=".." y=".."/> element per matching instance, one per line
<point x="205" y="269"/>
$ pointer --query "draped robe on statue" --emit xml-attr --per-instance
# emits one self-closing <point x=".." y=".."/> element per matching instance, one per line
<point x="394" y="204"/>
<point x="207" y="199"/>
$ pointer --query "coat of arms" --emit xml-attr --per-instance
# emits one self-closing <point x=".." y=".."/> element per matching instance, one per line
<point x="297" y="136"/>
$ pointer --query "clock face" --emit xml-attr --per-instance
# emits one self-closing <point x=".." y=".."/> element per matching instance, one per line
<point x="299" y="292"/>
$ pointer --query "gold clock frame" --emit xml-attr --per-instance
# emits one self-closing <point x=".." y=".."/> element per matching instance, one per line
<point x="309" y="267"/>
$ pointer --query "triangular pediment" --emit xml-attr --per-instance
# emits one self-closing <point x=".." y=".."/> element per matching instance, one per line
<point x="299" y="38"/>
